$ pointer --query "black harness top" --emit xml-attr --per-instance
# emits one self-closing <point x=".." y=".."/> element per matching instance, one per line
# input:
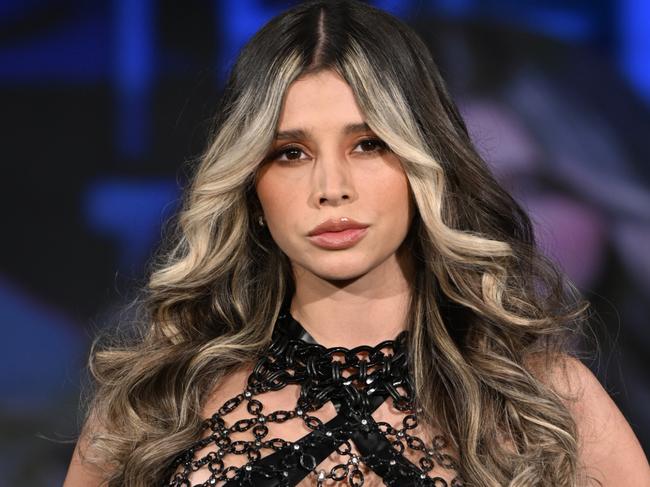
<point x="356" y="381"/>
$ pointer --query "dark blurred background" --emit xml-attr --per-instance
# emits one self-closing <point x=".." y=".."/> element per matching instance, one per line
<point x="103" y="103"/>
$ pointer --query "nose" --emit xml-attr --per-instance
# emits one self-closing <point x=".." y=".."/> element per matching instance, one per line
<point x="332" y="181"/>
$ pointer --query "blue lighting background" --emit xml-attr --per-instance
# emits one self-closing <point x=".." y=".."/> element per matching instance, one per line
<point x="104" y="103"/>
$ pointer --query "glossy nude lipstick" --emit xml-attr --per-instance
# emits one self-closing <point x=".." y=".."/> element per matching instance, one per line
<point x="337" y="233"/>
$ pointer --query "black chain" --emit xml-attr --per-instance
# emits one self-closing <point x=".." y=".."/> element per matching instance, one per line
<point x="356" y="380"/>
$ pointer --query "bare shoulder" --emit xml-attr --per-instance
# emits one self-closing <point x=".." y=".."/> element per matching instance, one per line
<point x="229" y="386"/>
<point x="608" y="448"/>
<point x="82" y="473"/>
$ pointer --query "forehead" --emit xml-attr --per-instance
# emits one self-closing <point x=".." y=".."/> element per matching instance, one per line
<point x="319" y="101"/>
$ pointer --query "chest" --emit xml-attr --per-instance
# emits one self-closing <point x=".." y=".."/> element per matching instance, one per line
<point x="269" y="436"/>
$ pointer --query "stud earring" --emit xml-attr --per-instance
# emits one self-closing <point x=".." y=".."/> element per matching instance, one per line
<point x="260" y="220"/>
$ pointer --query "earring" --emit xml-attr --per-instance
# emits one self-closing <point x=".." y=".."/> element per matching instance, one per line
<point x="260" y="220"/>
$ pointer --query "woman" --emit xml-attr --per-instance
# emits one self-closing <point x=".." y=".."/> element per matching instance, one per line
<point x="350" y="297"/>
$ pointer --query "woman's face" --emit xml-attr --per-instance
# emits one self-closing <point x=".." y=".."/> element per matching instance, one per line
<point x="325" y="165"/>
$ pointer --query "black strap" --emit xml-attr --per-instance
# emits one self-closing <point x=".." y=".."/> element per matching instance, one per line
<point x="315" y="447"/>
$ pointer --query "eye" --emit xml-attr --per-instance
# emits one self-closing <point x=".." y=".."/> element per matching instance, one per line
<point x="373" y="145"/>
<point x="292" y="153"/>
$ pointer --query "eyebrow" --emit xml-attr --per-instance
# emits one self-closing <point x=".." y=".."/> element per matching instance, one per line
<point x="351" y="128"/>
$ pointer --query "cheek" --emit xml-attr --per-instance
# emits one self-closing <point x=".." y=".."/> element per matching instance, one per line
<point x="391" y="194"/>
<point x="269" y="192"/>
<point x="276" y="205"/>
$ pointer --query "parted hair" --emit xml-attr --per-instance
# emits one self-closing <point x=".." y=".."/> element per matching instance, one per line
<point x="484" y="299"/>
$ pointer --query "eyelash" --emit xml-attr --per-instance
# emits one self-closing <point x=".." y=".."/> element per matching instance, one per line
<point x="381" y="146"/>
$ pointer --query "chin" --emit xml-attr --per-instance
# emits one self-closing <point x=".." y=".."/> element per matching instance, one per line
<point x="339" y="269"/>
<point x="340" y="276"/>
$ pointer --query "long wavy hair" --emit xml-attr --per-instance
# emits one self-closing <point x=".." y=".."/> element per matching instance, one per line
<point x="484" y="299"/>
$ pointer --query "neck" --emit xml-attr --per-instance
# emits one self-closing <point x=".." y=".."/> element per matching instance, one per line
<point x="362" y="311"/>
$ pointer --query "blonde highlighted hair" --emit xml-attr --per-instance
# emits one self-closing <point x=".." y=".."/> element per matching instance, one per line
<point x="484" y="300"/>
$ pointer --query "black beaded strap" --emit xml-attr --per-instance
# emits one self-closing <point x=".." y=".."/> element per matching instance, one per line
<point x="357" y="381"/>
<point x="369" y="370"/>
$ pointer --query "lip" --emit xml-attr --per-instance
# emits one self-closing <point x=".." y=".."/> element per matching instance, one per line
<point x="343" y="239"/>
<point x="336" y="225"/>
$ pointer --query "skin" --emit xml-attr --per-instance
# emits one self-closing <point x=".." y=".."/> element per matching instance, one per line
<point x="357" y="295"/>
<point x="609" y="452"/>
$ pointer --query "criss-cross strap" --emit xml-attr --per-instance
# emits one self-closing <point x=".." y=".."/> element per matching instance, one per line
<point x="356" y="381"/>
